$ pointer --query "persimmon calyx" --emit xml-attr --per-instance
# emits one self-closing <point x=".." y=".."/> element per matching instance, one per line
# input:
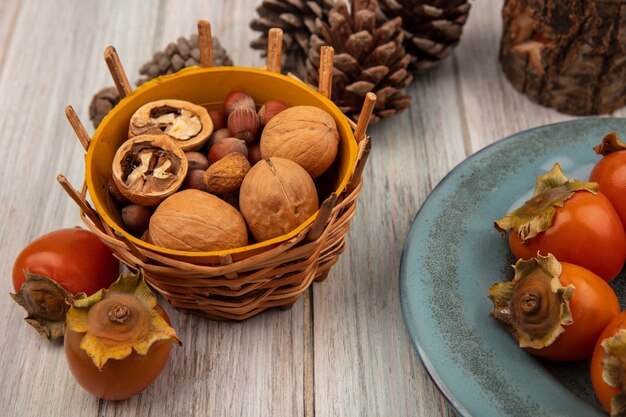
<point x="534" y="305"/>
<point x="118" y="320"/>
<point x="610" y="143"/>
<point x="614" y="369"/>
<point x="536" y="214"/>
<point x="46" y="303"/>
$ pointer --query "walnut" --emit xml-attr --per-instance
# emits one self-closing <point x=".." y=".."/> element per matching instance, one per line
<point x="276" y="196"/>
<point x="189" y="125"/>
<point x="226" y="175"/>
<point x="193" y="220"/>
<point x="305" y="134"/>
<point x="149" y="168"/>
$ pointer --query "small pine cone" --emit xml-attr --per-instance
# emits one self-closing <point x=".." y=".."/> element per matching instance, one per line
<point x="297" y="20"/>
<point x="181" y="54"/>
<point x="102" y="103"/>
<point x="368" y="57"/>
<point x="432" y="28"/>
<point x="184" y="53"/>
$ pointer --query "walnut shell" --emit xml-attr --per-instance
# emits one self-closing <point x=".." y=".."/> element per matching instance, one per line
<point x="147" y="169"/>
<point x="193" y="220"/>
<point x="226" y="175"/>
<point x="276" y="196"/>
<point x="187" y="124"/>
<point x="305" y="134"/>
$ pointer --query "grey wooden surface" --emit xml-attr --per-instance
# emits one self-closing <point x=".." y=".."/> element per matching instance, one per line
<point x="342" y="350"/>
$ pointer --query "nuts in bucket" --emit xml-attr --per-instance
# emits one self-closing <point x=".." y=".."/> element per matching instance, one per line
<point x="185" y="123"/>
<point x="203" y="185"/>
<point x="148" y="168"/>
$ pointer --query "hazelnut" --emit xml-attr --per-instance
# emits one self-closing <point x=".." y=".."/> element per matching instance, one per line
<point x="220" y="134"/>
<point x="243" y="123"/>
<point x="195" y="180"/>
<point x="236" y="99"/>
<point x="218" y="118"/>
<point x="192" y="220"/>
<point x="215" y="136"/>
<point x="270" y="109"/>
<point x="136" y="218"/>
<point x="187" y="124"/>
<point x="226" y="175"/>
<point x="196" y="160"/>
<point x="254" y="153"/>
<point x="276" y="196"/>
<point x="223" y="147"/>
<point x="148" y="168"/>
<point x="306" y="135"/>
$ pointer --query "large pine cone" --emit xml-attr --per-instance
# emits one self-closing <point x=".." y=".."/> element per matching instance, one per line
<point x="432" y="28"/>
<point x="297" y="20"/>
<point x="180" y="54"/>
<point x="368" y="57"/>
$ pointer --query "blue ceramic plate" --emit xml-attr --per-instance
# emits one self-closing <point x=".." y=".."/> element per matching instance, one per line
<point x="453" y="254"/>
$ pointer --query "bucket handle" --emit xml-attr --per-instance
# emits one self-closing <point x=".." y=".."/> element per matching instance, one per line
<point x="78" y="127"/>
<point x="117" y="71"/>
<point x="275" y="50"/>
<point x="325" y="83"/>
<point x="205" y="44"/>
<point x="80" y="201"/>
<point x="364" y="150"/>
<point x="322" y="219"/>
<point x="364" y="116"/>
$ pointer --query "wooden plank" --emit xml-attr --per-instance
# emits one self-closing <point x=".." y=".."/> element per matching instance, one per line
<point x="229" y="23"/>
<point x="493" y="107"/>
<point x="257" y="366"/>
<point x="364" y="362"/>
<point x="228" y="369"/>
<point x="55" y="58"/>
<point x="251" y="368"/>
<point x="8" y="16"/>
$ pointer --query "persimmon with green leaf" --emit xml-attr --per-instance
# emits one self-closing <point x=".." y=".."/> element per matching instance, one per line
<point x="55" y="267"/>
<point x="118" y="340"/>
<point x="608" y="366"/>
<point x="555" y="310"/>
<point x="570" y="219"/>
<point x="610" y="172"/>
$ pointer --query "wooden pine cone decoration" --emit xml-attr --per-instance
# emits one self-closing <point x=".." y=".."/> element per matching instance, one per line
<point x="432" y="28"/>
<point x="574" y="62"/>
<point x="180" y="54"/>
<point x="368" y="57"/>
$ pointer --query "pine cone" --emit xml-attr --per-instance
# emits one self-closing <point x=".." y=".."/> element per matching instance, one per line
<point x="432" y="28"/>
<point x="297" y="20"/>
<point x="102" y="103"/>
<point x="368" y="57"/>
<point x="184" y="53"/>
